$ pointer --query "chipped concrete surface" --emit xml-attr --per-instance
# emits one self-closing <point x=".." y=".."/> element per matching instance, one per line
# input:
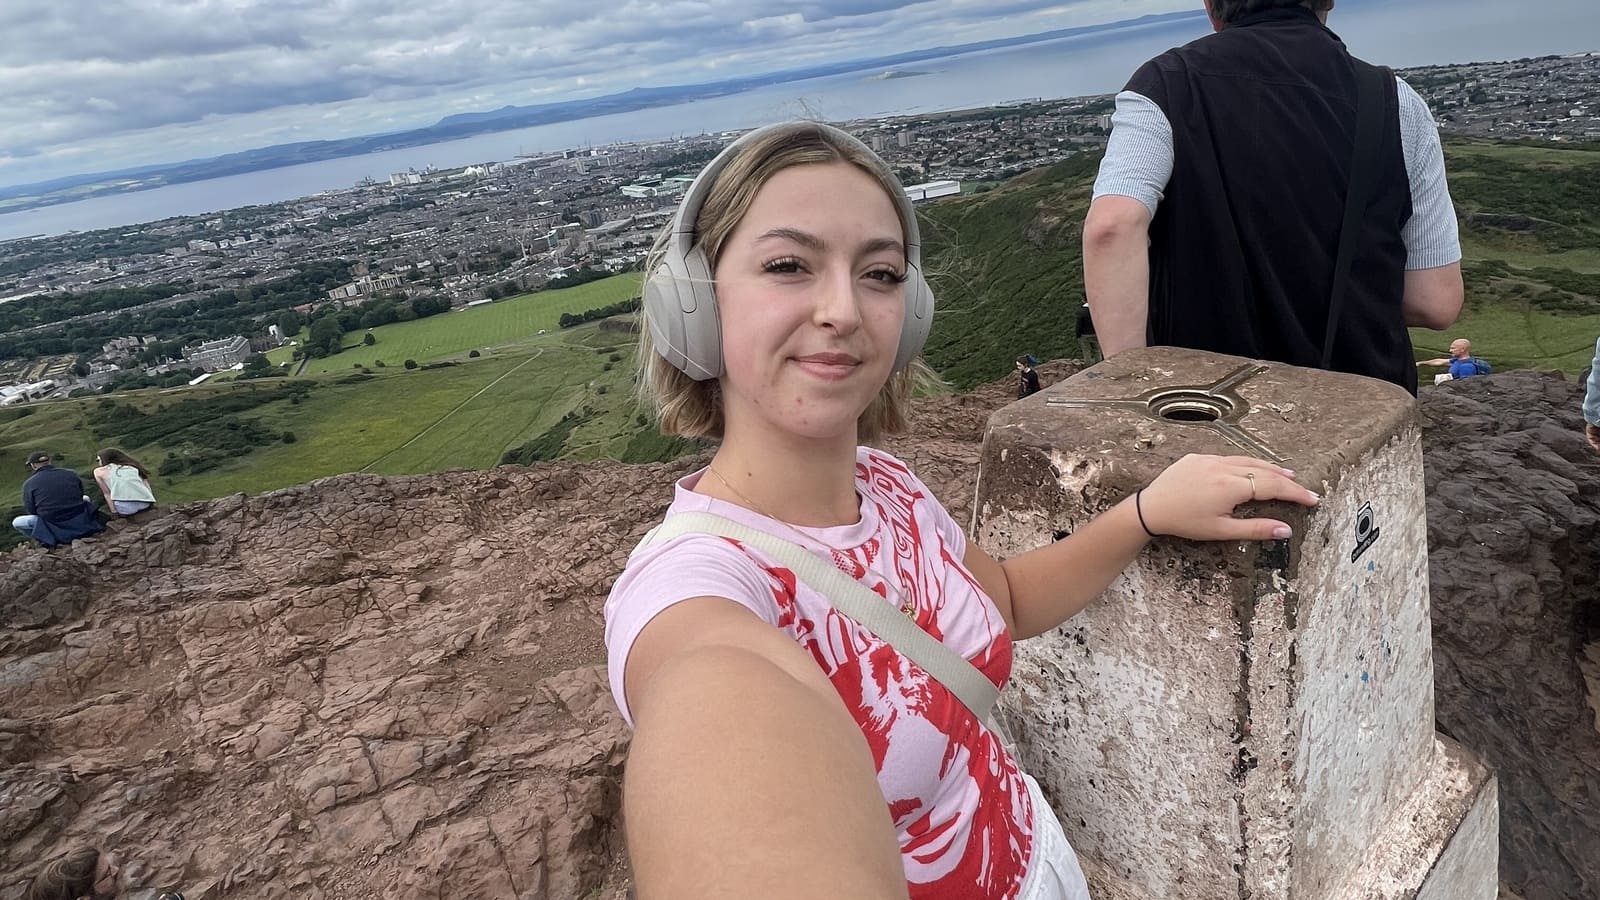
<point x="1223" y="724"/>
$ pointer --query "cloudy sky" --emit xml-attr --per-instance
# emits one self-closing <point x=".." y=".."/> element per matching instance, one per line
<point x="96" y="85"/>
<point x="92" y="85"/>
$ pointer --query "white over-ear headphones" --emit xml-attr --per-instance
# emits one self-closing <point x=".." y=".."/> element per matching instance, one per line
<point x="680" y="298"/>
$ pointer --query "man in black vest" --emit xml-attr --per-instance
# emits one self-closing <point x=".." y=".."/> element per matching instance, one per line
<point x="1217" y="213"/>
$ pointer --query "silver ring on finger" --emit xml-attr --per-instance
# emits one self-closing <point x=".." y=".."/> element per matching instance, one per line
<point x="1252" y="478"/>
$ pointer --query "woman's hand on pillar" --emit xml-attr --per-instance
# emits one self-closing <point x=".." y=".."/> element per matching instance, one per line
<point x="1196" y="496"/>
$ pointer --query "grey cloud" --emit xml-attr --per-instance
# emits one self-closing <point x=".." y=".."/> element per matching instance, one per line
<point x="75" y="74"/>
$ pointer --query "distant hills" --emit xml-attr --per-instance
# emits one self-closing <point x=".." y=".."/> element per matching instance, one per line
<point x="506" y="118"/>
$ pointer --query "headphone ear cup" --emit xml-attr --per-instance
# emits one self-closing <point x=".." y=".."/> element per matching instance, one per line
<point x="681" y="309"/>
<point x="702" y="322"/>
<point x="918" y="320"/>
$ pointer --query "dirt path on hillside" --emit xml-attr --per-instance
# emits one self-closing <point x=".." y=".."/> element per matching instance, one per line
<point x="458" y="407"/>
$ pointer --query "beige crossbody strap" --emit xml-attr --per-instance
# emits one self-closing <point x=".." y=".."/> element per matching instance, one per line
<point x="853" y="599"/>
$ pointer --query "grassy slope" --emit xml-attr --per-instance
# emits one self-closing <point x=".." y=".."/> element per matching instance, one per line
<point x="456" y="333"/>
<point x="1006" y="268"/>
<point x="1529" y="209"/>
<point x="393" y="422"/>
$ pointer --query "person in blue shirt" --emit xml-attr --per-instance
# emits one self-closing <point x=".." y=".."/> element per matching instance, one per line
<point x="1591" y="402"/>
<point x="56" y="510"/>
<point x="1461" y="361"/>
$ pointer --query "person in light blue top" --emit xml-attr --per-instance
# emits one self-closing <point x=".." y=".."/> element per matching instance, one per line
<point x="1591" y="402"/>
<point x="124" y="483"/>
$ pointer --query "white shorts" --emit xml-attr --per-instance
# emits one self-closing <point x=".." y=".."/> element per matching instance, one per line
<point x="1053" y="873"/>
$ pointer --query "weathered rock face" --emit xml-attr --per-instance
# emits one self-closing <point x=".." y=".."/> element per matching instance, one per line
<point x="361" y="687"/>
<point x="369" y="687"/>
<point x="1513" y="503"/>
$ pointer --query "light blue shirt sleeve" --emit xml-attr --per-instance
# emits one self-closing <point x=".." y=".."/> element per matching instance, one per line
<point x="1591" y="398"/>
<point x="1431" y="236"/>
<point x="1139" y="155"/>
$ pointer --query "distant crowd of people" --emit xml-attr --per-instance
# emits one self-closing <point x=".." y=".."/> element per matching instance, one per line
<point x="55" y="508"/>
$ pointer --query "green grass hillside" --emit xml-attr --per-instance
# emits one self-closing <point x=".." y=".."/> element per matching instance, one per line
<point x="1006" y="267"/>
<point x="256" y="436"/>
<point x="499" y="324"/>
<point x="1007" y="264"/>
<point x="1530" y="228"/>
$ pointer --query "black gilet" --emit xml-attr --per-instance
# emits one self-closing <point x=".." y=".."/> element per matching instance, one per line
<point x="1242" y="248"/>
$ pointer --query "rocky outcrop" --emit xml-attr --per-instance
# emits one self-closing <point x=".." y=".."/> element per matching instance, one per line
<point x="394" y="687"/>
<point x="1513" y="504"/>
<point x="360" y="687"/>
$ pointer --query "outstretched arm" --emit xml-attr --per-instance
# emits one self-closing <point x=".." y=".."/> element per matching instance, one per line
<point x="1116" y="271"/>
<point x="747" y="777"/>
<point x="1432" y="362"/>
<point x="1194" y="498"/>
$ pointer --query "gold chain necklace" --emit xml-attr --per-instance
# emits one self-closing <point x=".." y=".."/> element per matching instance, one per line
<point x="907" y="604"/>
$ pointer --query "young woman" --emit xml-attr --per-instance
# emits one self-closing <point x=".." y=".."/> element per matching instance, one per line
<point x="781" y="749"/>
<point x="123" y="482"/>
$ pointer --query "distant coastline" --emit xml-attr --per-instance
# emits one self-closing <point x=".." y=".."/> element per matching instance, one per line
<point x="19" y="198"/>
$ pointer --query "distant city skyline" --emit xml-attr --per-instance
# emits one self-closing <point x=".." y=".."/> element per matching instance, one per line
<point x="93" y="86"/>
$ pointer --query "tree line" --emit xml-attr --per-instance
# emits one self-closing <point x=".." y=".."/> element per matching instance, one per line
<point x="329" y="324"/>
<point x="569" y="320"/>
<point x="216" y="314"/>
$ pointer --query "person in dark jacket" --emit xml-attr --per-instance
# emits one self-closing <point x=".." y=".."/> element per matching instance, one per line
<point x="1028" y="385"/>
<point x="1218" y="209"/>
<point x="56" y="510"/>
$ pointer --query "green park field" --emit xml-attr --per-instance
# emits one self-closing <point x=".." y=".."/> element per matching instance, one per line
<point x="498" y="324"/>
<point x="1530" y="232"/>
<point x="393" y="421"/>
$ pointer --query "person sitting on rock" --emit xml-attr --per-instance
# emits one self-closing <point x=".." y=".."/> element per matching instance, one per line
<point x="54" y="506"/>
<point x="83" y="872"/>
<point x="784" y="315"/>
<point x="1591" y="402"/>
<point x="1461" y="361"/>
<point x="123" y="482"/>
<point x="1028" y="379"/>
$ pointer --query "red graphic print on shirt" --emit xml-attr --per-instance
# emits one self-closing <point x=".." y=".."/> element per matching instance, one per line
<point x="957" y="798"/>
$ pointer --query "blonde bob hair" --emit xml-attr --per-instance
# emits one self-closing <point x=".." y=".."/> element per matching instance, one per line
<point x="687" y="408"/>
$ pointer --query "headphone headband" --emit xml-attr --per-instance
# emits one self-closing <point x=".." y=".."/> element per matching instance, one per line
<point x="683" y="222"/>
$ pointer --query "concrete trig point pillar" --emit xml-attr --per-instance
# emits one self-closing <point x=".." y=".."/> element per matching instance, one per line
<point x="1240" y="721"/>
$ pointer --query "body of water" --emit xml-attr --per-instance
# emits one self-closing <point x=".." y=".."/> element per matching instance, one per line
<point x="1393" y="32"/>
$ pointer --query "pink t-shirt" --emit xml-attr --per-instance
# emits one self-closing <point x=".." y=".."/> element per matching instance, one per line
<point x="958" y="799"/>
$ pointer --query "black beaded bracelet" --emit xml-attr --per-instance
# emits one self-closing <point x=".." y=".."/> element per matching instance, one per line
<point x="1138" y="507"/>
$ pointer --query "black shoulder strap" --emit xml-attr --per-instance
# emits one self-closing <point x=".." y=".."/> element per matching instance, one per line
<point x="1371" y="88"/>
